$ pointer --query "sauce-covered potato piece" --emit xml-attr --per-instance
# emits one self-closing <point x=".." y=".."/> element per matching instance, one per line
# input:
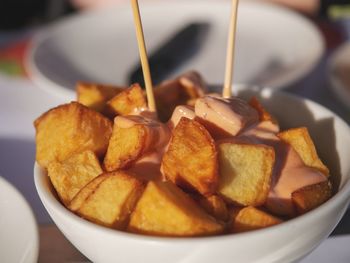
<point x="191" y="158"/>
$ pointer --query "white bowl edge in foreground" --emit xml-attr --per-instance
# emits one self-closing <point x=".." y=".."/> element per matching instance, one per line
<point x="19" y="235"/>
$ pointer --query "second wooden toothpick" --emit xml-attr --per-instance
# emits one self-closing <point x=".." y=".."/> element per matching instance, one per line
<point x="227" y="89"/>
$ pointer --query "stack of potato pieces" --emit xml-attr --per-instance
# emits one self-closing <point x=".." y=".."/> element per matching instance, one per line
<point x="207" y="187"/>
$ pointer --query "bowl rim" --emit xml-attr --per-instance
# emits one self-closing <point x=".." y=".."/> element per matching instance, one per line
<point x="343" y="195"/>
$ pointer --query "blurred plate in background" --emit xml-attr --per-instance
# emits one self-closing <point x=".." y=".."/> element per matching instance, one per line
<point x="19" y="239"/>
<point x="339" y="72"/>
<point x="275" y="46"/>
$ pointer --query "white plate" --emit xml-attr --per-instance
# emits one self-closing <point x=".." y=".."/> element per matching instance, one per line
<point x="20" y="104"/>
<point x="274" y="45"/>
<point x="19" y="239"/>
<point x="339" y="72"/>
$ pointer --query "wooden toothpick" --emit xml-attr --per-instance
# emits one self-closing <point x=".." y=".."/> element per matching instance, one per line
<point x="143" y="56"/>
<point x="227" y="89"/>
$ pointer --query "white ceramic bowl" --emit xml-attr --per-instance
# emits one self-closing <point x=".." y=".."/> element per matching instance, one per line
<point x="286" y="242"/>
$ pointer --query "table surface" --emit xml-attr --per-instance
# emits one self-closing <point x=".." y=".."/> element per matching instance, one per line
<point x="55" y="248"/>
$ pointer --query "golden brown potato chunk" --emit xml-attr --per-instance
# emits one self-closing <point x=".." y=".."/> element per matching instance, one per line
<point x="95" y="96"/>
<point x="300" y="140"/>
<point x="165" y="210"/>
<point x="251" y="218"/>
<point x="128" y="101"/>
<point x="264" y="115"/>
<point x="132" y="137"/>
<point x="213" y="205"/>
<point x="85" y="192"/>
<point x="311" y="196"/>
<point x="179" y="91"/>
<point x="126" y="145"/>
<point x="69" y="176"/>
<point x="112" y="201"/>
<point x="245" y="172"/>
<point x="193" y="84"/>
<point x="191" y="158"/>
<point x="68" y="129"/>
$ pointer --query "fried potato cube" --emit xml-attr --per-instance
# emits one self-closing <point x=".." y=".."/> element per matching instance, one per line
<point x="85" y="192"/>
<point x="251" y="218"/>
<point x="127" y="101"/>
<point x="301" y="142"/>
<point x="94" y="95"/>
<point x="225" y="118"/>
<point x="191" y="158"/>
<point x="311" y="196"/>
<point x="112" y="201"/>
<point x="245" y="172"/>
<point x="179" y="91"/>
<point x="213" y="205"/>
<point x="165" y="210"/>
<point x="127" y="144"/>
<point x="69" y="129"/>
<point x="264" y="115"/>
<point x="193" y="84"/>
<point x="167" y="96"/>
<point x="191" y="102"/>
<point x="69" y="176"/>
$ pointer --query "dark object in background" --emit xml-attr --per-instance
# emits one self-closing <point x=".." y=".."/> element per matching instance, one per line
<point x="17" y="14"/>
<point x="327" y="7"/>
<point x="180" y="48"/>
